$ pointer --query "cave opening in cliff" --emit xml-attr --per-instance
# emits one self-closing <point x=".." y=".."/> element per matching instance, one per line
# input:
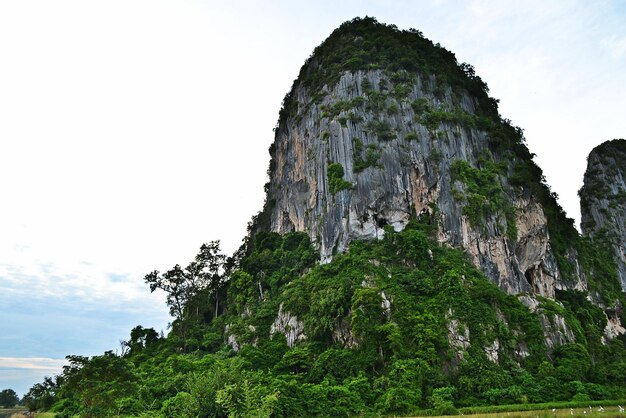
<point x="380" y="221"/>
<point x="529" y="276"/>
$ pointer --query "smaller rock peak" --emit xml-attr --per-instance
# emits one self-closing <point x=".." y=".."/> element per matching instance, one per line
<point x="603" y="201"/>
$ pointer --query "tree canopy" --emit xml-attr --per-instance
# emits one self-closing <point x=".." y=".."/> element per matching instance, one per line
<point x="8" y="398"/>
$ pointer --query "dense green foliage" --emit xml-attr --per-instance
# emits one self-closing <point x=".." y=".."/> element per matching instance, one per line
<point x="370" y="159"/>
<point x="336" y="183"/>
<point x="8" y="398"/>
<point x="42" y="395"/>
<point x="431" y="117"/>
<point x="380" y="324"/>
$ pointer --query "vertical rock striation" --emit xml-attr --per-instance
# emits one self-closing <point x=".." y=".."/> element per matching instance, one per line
<point x="398" y="160"/>
<point x="364" y="149"/>
<point x="603" y="201"/>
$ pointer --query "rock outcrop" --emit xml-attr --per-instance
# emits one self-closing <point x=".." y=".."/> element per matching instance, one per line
<point x="289" y="326"/>
<point x="603" y="200"/>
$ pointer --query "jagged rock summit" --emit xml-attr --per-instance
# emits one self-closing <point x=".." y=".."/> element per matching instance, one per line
<point x="381" y="126"/>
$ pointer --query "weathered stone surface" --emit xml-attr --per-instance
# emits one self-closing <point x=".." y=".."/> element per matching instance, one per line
<point x="385" y="304"/>
<point x="458" y="337"/>
<point x="289" y="325"/>
<point x="555" y="329"/>
<point x="343" y="334"/>
<point x="533" y="251"/>
<point x="233" y="342"/>
<point x="492" y="351"/>
<point x="231" y="339"/>
<point x="603" y="200"/>
<point x="411" y="176"/>
<point x="614" y="326"/>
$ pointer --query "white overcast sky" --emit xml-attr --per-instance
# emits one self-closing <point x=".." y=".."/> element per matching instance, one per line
<point x="133" y="131"/>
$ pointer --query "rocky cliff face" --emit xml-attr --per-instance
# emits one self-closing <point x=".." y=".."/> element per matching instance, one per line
<point x="603" y="201"/>
<point x="375" y="151"/>
<point x="365" y="143"/>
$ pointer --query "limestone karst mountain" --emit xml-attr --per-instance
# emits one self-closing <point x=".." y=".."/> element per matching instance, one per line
<point x="381" y="126"/>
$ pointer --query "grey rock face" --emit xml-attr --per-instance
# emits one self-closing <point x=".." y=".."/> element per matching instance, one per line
<point x="556" y="331"/>
<point x="603" y="200"/>
<point x="458" y="338"/>
<point x="613" y="327"/>
<point x="396" y="152"/>
<point x="290" y="326"/>
<point x="343" y="334"/>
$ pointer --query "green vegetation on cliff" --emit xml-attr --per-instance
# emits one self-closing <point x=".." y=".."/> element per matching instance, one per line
<point x="336" y="183"/>
<point x="390" y="327"/>
<point x="483" y="194"/>
<point x="365" y="44"/>
<point x="612" y="154"/>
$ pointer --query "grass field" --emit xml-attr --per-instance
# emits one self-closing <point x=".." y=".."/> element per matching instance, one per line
<point x="508" y="411"/>
<point x="8" y="412"/>
<point x="609" y="412"/>
<point x="18" y="413"/>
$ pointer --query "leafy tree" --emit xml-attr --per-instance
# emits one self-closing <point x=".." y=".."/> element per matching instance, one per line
<point x="572" y="362"/>
<point x="8" y="398"/>
<point x="335" y="365"/>
<point x="183" y="285"/>
<point x="442" y="400"/>
<point x="296" y="360"/>
<point x="98" y="384"/>
<point x="402" y="388"/>
<point x="181" y="405"/>
<point x="205" y="383"/>
<point x="246" y="400"/>
<point x="140" y="339"/>
<point x="210" y="265"/>
<point x="42" y="395"/>
<point x="336" y="182"/>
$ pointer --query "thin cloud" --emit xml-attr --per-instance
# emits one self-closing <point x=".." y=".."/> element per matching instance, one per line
<point x="83" y="281"/>
<point x="32" y="363"/>
<point x="20" y="373"/>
